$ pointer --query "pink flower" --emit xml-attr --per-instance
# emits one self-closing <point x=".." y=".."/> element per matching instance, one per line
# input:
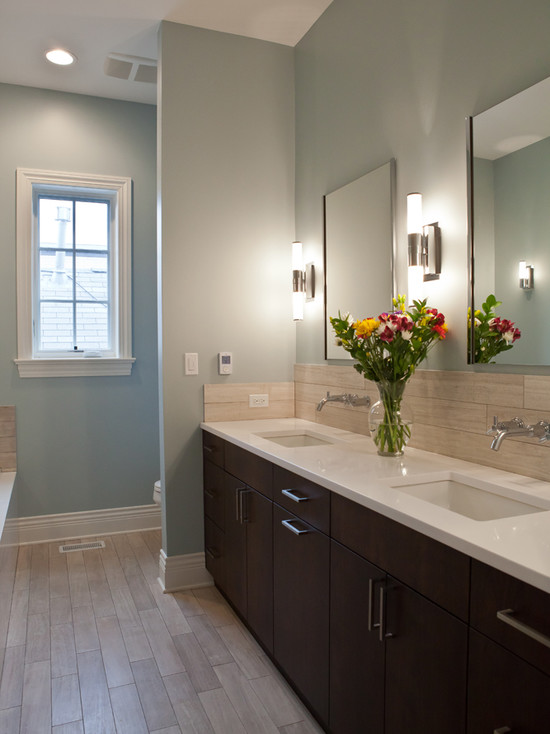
<point x="386" y="335"/>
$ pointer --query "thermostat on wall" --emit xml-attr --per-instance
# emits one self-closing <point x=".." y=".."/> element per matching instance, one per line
<point x="225" y="363"/>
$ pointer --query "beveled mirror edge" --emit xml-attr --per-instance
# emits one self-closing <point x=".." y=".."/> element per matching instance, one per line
<point x="470" y="204"/>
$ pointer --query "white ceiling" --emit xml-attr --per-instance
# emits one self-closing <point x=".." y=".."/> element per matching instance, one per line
<point x="93" y="29"/>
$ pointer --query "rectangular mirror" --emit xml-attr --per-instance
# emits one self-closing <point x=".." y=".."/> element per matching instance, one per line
<point x="359" y="250"/>
<point x="509" y="213"/>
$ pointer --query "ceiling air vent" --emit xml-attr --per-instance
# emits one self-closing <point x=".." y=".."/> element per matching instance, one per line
<point x="131" y="68"/>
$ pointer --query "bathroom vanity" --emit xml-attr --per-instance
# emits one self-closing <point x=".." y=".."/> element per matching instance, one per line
<point x="396" y="595"/>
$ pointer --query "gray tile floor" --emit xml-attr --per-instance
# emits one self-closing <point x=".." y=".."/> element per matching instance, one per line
<point x="90" y="645"/>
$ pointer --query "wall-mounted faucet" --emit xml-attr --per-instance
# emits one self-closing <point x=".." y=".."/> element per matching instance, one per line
<point x="346" y="398"/>
<point x="517" y="427"/>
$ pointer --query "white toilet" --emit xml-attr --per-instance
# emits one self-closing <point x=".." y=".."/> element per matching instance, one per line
<point x="156" y="493"/>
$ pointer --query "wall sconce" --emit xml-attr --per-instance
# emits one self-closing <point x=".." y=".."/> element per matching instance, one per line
<point x="526" y="276"/>
<point x="424" y="241"/>
<point x="303" y="282"/>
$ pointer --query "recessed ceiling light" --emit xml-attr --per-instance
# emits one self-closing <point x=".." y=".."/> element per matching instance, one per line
<point x="60" y="57"/>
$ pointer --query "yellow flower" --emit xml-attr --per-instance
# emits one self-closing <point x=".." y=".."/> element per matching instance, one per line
<point x="365" y="327"/>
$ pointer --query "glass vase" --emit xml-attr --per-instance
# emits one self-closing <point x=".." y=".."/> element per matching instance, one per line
<point x="390" y="419"/>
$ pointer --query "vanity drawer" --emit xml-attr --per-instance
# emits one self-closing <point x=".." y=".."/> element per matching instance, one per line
<point x="433" y="569"/>
<point x="524" y="614"/>
<point x="307" y="500"/>
<point x="213" y="493"/>
<point x="213" y="448"/>
<point x="249" y="468"/>
<point x="214" y="541"/>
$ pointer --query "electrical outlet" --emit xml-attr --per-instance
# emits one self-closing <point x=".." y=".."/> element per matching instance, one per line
<point x="258" y="401"/>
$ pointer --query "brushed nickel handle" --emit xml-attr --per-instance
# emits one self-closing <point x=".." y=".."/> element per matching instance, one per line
<point x="289" y="526"/>
<point x="505" y="615"/>
<point x="212" y="553"/>
<point x="502" y="730"/>
<point x="370" y="612"/>
<point x="209" y="493"/>
<point x="238" y="504"/>
<point x="290" y="494"/>
<point x="382" y="627"/>
<point x="210" y="449"/>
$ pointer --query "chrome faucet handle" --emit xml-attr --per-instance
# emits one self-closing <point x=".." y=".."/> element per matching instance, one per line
<point x="495" y="427"/>
<point x="541" y="430"/>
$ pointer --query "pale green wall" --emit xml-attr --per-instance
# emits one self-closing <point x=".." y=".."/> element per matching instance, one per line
<point x="83" y="443"/>
<point x="396" y="79"/>
<point x="226" y="178"/>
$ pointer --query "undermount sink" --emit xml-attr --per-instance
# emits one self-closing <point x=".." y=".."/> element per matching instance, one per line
<point x="296" y="439"/>
<point x="470" y="497"/>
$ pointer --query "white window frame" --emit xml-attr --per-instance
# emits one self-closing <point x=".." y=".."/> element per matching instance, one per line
<point x="29" y="364"/>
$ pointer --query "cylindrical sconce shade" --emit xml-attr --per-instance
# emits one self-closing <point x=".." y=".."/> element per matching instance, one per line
<point x="297" y="282"/>
<point x="414" y="213"/>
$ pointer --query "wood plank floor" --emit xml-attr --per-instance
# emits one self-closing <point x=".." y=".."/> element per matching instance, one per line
<point x="90" y="645"/>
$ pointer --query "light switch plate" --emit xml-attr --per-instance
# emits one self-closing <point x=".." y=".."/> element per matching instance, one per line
<point x="191" y="363"/>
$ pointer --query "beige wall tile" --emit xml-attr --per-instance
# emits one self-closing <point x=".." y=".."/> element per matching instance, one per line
<point x="537" y="394"/>
<point x="338" y="375"/>
<point x="442" y="384"/>
<point x="239" y="392"/>
<point x="241" y="411"/>
<point x="8" y="459"/>
<point x="464" y="416"/>
<point x="499" y="389"/>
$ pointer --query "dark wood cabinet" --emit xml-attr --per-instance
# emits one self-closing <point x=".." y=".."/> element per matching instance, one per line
<point x="380" y="628"/>
<point x="238" y="537"/>
<point x="301" y="556"/>
<point x="357" y="656"/>
<point x="398" y="662"/>
<point x="426" y="664"/>
<point x="505" y="694"/>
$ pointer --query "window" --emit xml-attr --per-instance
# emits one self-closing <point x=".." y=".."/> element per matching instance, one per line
<point x="73" y="274"/>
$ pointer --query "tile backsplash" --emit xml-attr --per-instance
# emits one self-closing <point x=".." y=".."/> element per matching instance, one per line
<point x="230" y="402"/>
<point x="7" y="438"/>
<point x="452" y="411"/>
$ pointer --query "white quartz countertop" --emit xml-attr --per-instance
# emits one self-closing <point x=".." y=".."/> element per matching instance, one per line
<point x="350" y="466"/>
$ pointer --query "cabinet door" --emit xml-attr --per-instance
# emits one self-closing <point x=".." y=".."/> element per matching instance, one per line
<point x="301" y="557"/>
<point x="259" y="566"/>
<point x="234" y="576"/>
<point x="356" y="652"/>
<point x="426" y="664"/>
<point x="505" y="694"/>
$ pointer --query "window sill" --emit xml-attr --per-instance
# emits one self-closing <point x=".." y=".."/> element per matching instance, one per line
<point x="86" y="367"/>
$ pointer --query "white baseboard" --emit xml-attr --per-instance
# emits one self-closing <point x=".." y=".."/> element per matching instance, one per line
<point x="44" y="528"/>
<point x="177" y="573"/>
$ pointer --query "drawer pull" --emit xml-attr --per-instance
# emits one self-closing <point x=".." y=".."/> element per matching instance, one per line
<point x="382" y="631"/>
<point x="208" y="449"/>
<point x="371" y="625"/>
<point x="214" y="555"/>
<point x="288" y="524"/>
<point x="290" y="494"/>
<point x="505" y="615"/>
<point x="502" y="730"/>
<point x="210" y="493"/>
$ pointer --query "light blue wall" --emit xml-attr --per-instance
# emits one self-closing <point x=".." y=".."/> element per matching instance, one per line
<point x="396" y="79"/>
<point x="226" y="123"/>
<point x="82" y="443"/>
<point x="522" y="232"/>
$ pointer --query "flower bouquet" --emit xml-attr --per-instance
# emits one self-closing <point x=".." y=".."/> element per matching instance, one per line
<point x="492" y="335"/>
<point x="388" y="349"/>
